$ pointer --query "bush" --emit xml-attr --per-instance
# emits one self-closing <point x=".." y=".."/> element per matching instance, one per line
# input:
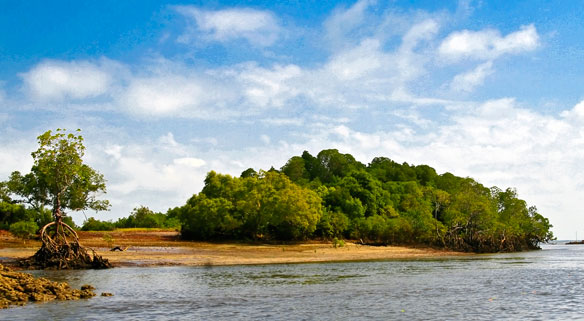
<point x="338" y="243"/>
<point x="96" y="225"/>
<point x="24" y="229"/>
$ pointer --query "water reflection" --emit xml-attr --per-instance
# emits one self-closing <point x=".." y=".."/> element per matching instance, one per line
<point x="536" y="285"/>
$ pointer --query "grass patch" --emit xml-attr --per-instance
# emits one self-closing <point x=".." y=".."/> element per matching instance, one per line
<point x="145" y="229"/>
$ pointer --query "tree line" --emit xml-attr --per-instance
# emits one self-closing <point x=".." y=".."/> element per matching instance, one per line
<point x="333" y="195"/>
<point x="140" y="217"/>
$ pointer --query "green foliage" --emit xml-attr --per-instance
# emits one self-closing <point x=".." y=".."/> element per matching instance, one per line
<point x="268" y="205"/>
<point x="332" y="224"/>
<point x="140" y="217"/>
<point x="12" y="213"/>
<point x="24" y="229"/>
<point x="334" y="196"/>
<point x="5" y="193"/>
<point x="296" y="170"/>
<point x="59" y="178"/>
<point x="250" y="172"/>
<point x="338" y="242"/>
<point x="91" y="224"/>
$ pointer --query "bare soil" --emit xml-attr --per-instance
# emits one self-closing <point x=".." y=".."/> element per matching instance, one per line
<point x="163" y="247"/>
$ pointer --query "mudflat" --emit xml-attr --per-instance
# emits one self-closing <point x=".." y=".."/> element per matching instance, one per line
<point x="160" y="247"/>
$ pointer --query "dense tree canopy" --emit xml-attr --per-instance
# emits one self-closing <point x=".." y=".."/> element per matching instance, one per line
<point x="384" y="202"/>
<point x="266" y="205"/>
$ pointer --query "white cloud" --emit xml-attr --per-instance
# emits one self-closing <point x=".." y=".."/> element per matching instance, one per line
<point x="168" y="141"/>
<point x="364" y="60"/>
<point x="487" y="44"/>
<point x="283" y="121"/>
<point x="366" y="75"/>
<point x="138" y="173"/>
<point x="58" y="80"/>
<point x="576" y="113"/>
<point x="213" y="141"/>
<point x="344" y="20"/>
<point x="15" y="154"/>
<point x="184" y="94"/>
<point x="265" y="139"/>
<point x="467" y="82"/>
<point x="162" y="95"/>
<point x="258" y="27"/>
<point x="424" y="30"/>
<point x="268" y="87"/>
<point x="190" y="162"/>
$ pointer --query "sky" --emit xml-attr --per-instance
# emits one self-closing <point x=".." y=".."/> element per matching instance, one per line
<point x="165" y="91"/>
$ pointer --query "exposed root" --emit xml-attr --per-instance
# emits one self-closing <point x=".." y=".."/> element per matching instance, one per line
<point x="60" y="249"/>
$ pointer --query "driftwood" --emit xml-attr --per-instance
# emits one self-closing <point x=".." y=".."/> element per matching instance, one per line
<point x="60" y="249"/>
<point x="119" y="248"/>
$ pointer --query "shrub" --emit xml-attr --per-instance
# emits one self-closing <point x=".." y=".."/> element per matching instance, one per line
<point x="96" y="225"/>
<point x="338" y="243"/>
<point x="24" y="229"/>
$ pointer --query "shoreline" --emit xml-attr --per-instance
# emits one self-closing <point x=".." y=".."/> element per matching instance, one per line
<point x="163" y="248"/>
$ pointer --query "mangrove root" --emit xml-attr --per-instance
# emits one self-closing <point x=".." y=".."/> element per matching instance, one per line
<point x="60" y="249"/>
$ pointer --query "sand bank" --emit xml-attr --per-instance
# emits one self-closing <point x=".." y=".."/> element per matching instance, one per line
<point x="154" y="248"/>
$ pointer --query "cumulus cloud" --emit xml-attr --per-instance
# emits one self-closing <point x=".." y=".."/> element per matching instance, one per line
<point x="363" y="60"/>
<point x="363" y="74"/>
<point x="15" y="154"/>
<point x="162" y="95"/>
<point x="468" y="81"/>
<point x="58" y="80"/>
<point x="424" y="30"/>
<point x="138" y="173"/>
<point x="268" y="87"/>
<point x="185" y="94"/>
<point x="346" y="24"/>
<point x="575" y="114"/>
<point x="256" y="26"/>
<point x="487" y="44"/>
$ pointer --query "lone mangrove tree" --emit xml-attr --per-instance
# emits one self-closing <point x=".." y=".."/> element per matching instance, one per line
<point x="60" y="180"/>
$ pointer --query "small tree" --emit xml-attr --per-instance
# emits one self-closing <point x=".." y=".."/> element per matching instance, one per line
<point x="60" y="180"/>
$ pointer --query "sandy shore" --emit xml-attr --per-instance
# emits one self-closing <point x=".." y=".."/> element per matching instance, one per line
<point x="155" y="248"/>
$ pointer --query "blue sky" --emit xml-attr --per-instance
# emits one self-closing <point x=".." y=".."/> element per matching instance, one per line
<point x="166" y="91"/>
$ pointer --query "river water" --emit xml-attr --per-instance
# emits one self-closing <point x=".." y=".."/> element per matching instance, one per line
<point x="538" y="285"/>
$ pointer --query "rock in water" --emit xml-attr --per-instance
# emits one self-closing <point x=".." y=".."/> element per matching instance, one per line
<point x="18" y="288"/>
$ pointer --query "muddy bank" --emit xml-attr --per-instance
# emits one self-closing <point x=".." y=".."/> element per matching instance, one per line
<point x="153" y="248"/>
<point x="17" y="288"/>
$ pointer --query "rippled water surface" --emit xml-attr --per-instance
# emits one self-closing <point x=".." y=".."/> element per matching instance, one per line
<point x="539" y="285"/>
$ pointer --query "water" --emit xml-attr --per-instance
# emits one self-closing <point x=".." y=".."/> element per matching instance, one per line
<point x="539" y="285"/>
